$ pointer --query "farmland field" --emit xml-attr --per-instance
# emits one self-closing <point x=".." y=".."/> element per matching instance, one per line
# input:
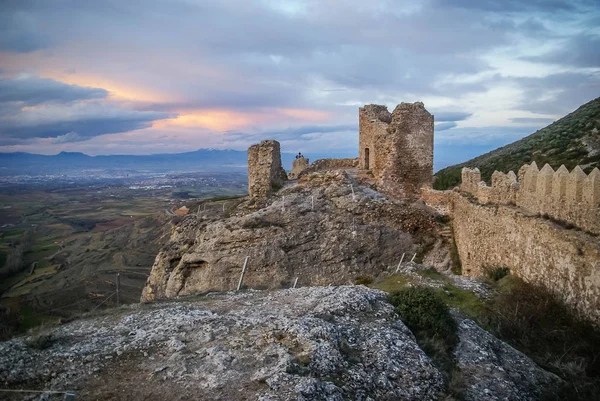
<point x="62" y="246"/>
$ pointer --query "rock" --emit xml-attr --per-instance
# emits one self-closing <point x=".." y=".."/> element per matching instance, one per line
<point x="493" y="370"/>
<point x="312" y="343"/>
<point x="320" y="233"/>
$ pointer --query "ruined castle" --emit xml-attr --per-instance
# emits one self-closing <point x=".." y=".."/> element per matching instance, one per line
<point x="541" y="224"/>
<point x="396" y="148"/>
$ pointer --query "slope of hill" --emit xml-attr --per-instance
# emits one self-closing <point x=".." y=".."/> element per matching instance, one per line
<point x="572" y="140"/>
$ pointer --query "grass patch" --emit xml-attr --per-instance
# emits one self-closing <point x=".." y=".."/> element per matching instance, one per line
<point x="432" y="274"/>
<point x="463" y="300"/>
<point x="364" y="280"/>
<point x="13" y="233"/>
<point x="392" y="283"/>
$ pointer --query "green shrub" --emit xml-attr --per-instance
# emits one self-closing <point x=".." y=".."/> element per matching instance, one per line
<point x="428" y="317"/>
<point x="422" y="310"/>
<point x="365" y="280"/>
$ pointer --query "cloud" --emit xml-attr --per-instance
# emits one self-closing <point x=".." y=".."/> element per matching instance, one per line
<point x="33" y="107"/>
<point x="578" y="51"/>
<point x="532" y="120"/>
<point x="87" y="119"/>
<point x="255" y="58"/>
<point x="68" y="137"/>
<point x="496" y="135"/>
<point x="557" y="93"/>
<point x="442" y="116"/>
<point x="303" y="133"/>
<point x="32" y="91"/>
<point x="445" y="126"/>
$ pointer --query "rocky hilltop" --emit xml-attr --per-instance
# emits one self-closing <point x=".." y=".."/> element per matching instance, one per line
<point x="314" y="343"/>
<point x="330" y="227"/>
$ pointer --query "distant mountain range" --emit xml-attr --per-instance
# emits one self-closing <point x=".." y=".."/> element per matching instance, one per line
<point x="573" y="140"/>
<point x="20" y="163"/>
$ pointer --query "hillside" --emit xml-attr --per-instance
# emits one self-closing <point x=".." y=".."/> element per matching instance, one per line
<point x="572" y="140"/>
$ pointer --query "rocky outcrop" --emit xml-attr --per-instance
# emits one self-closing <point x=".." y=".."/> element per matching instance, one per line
<point x="312" y="343"/>
<point x="492" y="370"/>
<point x="265" y="173"/>
<point x="317" y="231"/>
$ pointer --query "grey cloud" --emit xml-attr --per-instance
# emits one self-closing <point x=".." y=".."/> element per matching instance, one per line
<point x="441" y="116"/>
<point x="531" y="120"/>
<point x="69" y="137"/>
<point x="578" y="51"/>
<point x="483" y="135"/>
<point x="557" y="93"/>
<point x="512" y="5"/>
<point x="86" y="119"/>
<point x="20" y="30"/>
<point x="444" y="126"/>
<point x="299" y="133"/>
<point x="33" y="91"/>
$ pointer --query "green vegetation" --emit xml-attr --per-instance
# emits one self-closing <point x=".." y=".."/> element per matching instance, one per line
<point x="567" y="141"/>
<point x="364" y="280"/>
<point x="526" y="316"/>
<point x="428" y="317"/>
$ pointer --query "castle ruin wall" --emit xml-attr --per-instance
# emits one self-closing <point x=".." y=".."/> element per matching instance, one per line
<point x="397" y="147"/>
<point x="298" y="166"/>
<point x="265" y="173"/>
<point x="569" y="198"/>
<point x="565" y="261"/>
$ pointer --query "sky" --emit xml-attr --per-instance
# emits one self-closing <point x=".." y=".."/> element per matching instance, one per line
<point x="158" y="76"/>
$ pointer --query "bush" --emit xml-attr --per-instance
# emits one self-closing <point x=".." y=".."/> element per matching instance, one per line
<point x="537" y="323"/>
<point x="428" y="317"/>
<point x="422" y="310"/>
<point x="365" y="280"/>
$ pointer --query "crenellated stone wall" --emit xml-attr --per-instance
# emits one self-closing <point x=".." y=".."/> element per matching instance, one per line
<point x="265" y="173"/>
<point x="543" y="225"/>
<point x="564" y="261"/>
<point x="569" y="197"/>
<point x="397" y="147"/>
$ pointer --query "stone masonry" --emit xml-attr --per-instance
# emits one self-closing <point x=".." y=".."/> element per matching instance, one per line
<point x="298" y="166"/>
<point x="543" y="225"/>
<point x="265" y="173"/>
<point x="397" y="147"/>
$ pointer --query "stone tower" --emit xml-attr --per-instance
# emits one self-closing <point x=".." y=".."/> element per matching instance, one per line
<point x="265" y="173"/>
<point x="397" y="147"/>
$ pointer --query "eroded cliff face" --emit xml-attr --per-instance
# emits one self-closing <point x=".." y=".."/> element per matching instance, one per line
<point x="315" y="230"/>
